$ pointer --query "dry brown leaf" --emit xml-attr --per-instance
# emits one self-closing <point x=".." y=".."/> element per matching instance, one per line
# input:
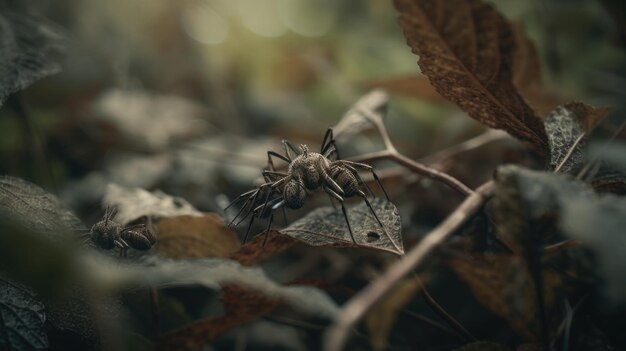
<point x="241" y="305"/>
<point x="466" y="49"/>
<point x="254" y="251"/>
<point x="526" y="64"/>
<point x="195" y="237"/>
<point x="382" y="316"/>
<point x="416" y="86"/>
<point x="503" y="285"/>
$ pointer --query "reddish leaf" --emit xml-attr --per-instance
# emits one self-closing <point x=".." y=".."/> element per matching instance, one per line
<point x="466" y="49"/>
<point x="241" y="305"/>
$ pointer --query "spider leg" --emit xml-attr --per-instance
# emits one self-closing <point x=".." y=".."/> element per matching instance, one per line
<point x="359" y="179"/>
<point x="371" y="169"/>
<point x="335" y="187"/>
<point x="255" y="213"/>
<point x="288" y="145"/>
<point x="250" y="200"/>
<point x="267" y="174"/>
<point x="239" y="198"/>
<point x="276" y="206"/>
<point x="343" y="209"/>
<point x="270" y="163"/>
<point x="367" y="202"/>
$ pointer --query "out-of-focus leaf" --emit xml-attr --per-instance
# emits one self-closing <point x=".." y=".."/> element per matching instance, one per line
<point x="38" y="210"/>
<point x="416" y="86"/>
<point x="327" y="227"/>
<point x="151" y="122"/>
<point x="374" y="104"/>
<point x="241" y="306"/>
<point x="154" y="271"/>
<point x="504" y="286"/>
<point x="189" y="237"/>
<point x="133" y="203"/>
<point x="42" y="229"/>
<point x="29" y="47"/>
<point x="483" y="346"/>
<point x="564" y="126"/>
<point x="596" y="220"/>
<point x="466" y="49"/>
<point x="382" y="316"/>
<point x="22" y="317"/>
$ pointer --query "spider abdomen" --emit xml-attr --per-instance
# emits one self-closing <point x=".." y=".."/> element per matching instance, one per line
<point x="294" y="194"/>
<point x="345" y="179"/>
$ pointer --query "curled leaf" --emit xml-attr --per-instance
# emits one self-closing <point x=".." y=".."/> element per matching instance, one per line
<point x="327" y="227"/>
<point x="133" y="203"/>
<point x="466" y="49"/>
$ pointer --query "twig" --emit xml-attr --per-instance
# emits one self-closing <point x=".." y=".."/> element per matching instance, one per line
<point x="391" y="153"/>
<point x="357" y="307"/>
<point x="433" y="323"/>
<point x="563" y="245"/>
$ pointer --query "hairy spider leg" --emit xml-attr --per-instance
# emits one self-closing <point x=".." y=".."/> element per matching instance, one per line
<point x="367" y="202"/>
<point x="262" y="207"/>
<point x="257" y="212"/>
<point x="369" y="168"/>
<point x="327" y="142"/>
<point x="359" y="179"/>
<point x="288" y="145"/>
<point x="343" y="209"/>
<point x="276" y="206"/>
<point x="252" y="198"/>
<point x="123" y="245"/>
<point x="269" y="174"/>
<point x="270" y="163"/>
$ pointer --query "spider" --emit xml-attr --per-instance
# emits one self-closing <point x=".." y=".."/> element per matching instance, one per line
<point x="307" y="171"/>
<point x="107" y="234"/>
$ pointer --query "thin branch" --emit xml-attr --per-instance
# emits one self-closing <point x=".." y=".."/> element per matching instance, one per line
<point x="357" y="307"/>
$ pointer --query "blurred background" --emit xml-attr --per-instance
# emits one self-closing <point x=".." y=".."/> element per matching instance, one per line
<point x="188" y="95"/>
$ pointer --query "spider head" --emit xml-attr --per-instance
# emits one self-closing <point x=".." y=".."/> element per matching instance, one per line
<point x="294" y="194"/>
<point x="104" y="233"/>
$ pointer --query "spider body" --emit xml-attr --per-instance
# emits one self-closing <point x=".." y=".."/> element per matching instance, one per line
<point x="108" y="234"/>
<point x="307" y="172"/>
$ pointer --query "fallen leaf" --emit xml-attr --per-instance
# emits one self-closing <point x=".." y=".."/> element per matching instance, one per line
<point x="504" y="286"/>
<point x="258" y="249"/>
<point x="133" y="203"/>
<point x="148" y="121"/>
<point x="382" y="316"/>
<point x="326" y="226"/>
<point x="466" y="49"/>
<point x="241" y="306"/>
<point x="189" y="237"/>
